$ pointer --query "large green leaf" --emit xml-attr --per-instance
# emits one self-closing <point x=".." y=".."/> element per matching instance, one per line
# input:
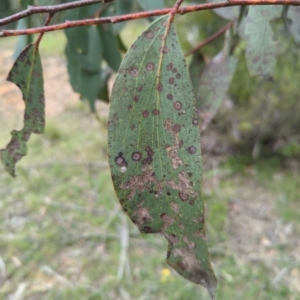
<point x="294" y="16"/>
<point x="27" y="74"/>
<point x="261" y="47"/>
<point x="154" y="150"/>
<point x="84" y="53"/>
<point x="213" y="86"/>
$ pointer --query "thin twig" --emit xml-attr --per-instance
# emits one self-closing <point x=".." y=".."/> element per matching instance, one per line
<point x="31" y="10"/>
<point x="146" y="14"/>
<point x="48" y="20"/>
<point x="209" y="39"/>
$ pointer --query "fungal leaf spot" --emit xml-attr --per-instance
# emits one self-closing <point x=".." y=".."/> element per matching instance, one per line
<point x="27" y="74"/>
<point x="159" y="145"/>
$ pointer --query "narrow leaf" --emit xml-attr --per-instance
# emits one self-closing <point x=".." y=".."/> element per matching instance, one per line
<point x="261" y="48"/>
<point x="154" y="150"/>
<point x="196" y="68"/>
<point x="213" y="86"/>
<point x="294" y="16"/>
<point x="23" y="40"/>
<point x="27" y="74"/>
<point x="151" y="4"/>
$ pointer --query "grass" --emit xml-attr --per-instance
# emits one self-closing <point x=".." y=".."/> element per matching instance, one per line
<point x="63" y="234"/>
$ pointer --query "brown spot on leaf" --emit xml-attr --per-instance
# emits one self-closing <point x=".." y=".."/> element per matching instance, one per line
<point x="195" y="122"/>
<point x="175" y="207"/>
<point x="145" y="113"/>
<point x="177" y="105"/>
<point x="135" y="98"/>
<point x="142" y="182"/>
<point x="149" y="34"/>
<point x="120" y="160"/>
<point x="167" y="221"/>
<point x="159" y="87"/>
<point x="150" y="66"/>
<point x="169" y="66"/>
<point x="178" y="76"/>
<point x="136" y="156"/>
<point x="170" y="96"/>
<point x="134" y="72"/>
<point x="183" y="196"/>
<point x="164" y="49"/>
<point x="155" y="112"/>
<point x="141" y="216"/>
<point x="171" y="80"/>
<point x="176" y="128"/>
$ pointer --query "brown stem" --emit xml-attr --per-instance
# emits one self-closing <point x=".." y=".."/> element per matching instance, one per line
<point x="175" y="10"/>
<point x="209" y="39"/>
<point x="48" y="20"/>
<point x="147" y="14"/>
<point x="31" y="10"/>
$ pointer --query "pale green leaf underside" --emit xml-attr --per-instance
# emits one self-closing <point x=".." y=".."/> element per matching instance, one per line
<point x="294" y="16"/>
<point x="27" y="74"/>
<point x="154" y="149"/>
<point x="261" y="47"/>
<point x="213" y="86"/>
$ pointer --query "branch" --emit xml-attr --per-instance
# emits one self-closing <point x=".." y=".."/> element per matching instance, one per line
<point x="31" y="10"/>
<point x="209" y="39"/>
<point x="141" y="15"/>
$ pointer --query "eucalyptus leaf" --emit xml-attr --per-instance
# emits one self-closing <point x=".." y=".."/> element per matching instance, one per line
<point x="261" y="47"/>
<point x="154" y="149"/>
<point x="27" y="74"/>
<point x="294" y="15"/>
<point x="213" y="86"/>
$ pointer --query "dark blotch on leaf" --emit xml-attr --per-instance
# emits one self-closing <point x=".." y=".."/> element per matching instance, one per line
<point x="145" y="113"/>
<point x="155" y="112"/>
<point x="176" y="128"/>
<point x="171" y="80"/>
<point x="159" y="87"/>
<point x="135" y="98"/>
<point x="169" y="67"/>
<point x="195" y="122"/>
<point x="170" y="96"/>
<point x="191" y="150"/>
<point x="178" y="76"/>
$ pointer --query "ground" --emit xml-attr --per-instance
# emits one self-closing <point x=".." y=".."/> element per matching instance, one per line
<point x="63" y="234"/>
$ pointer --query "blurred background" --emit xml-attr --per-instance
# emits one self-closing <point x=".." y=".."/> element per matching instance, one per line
<point x="63" y="234"/>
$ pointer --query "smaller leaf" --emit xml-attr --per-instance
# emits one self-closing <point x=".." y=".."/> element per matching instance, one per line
<point x="27" y="74"/>
<point x="123" y="7"/>
<point x="261" y="48"/>
<point x="23" y="40"/>
<point x="294" y="16"/>
<point x="213" y="86"/>
<point x="151" y="4"/>
<point x="227" y="13"/>
<point x="196" y="68"/>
